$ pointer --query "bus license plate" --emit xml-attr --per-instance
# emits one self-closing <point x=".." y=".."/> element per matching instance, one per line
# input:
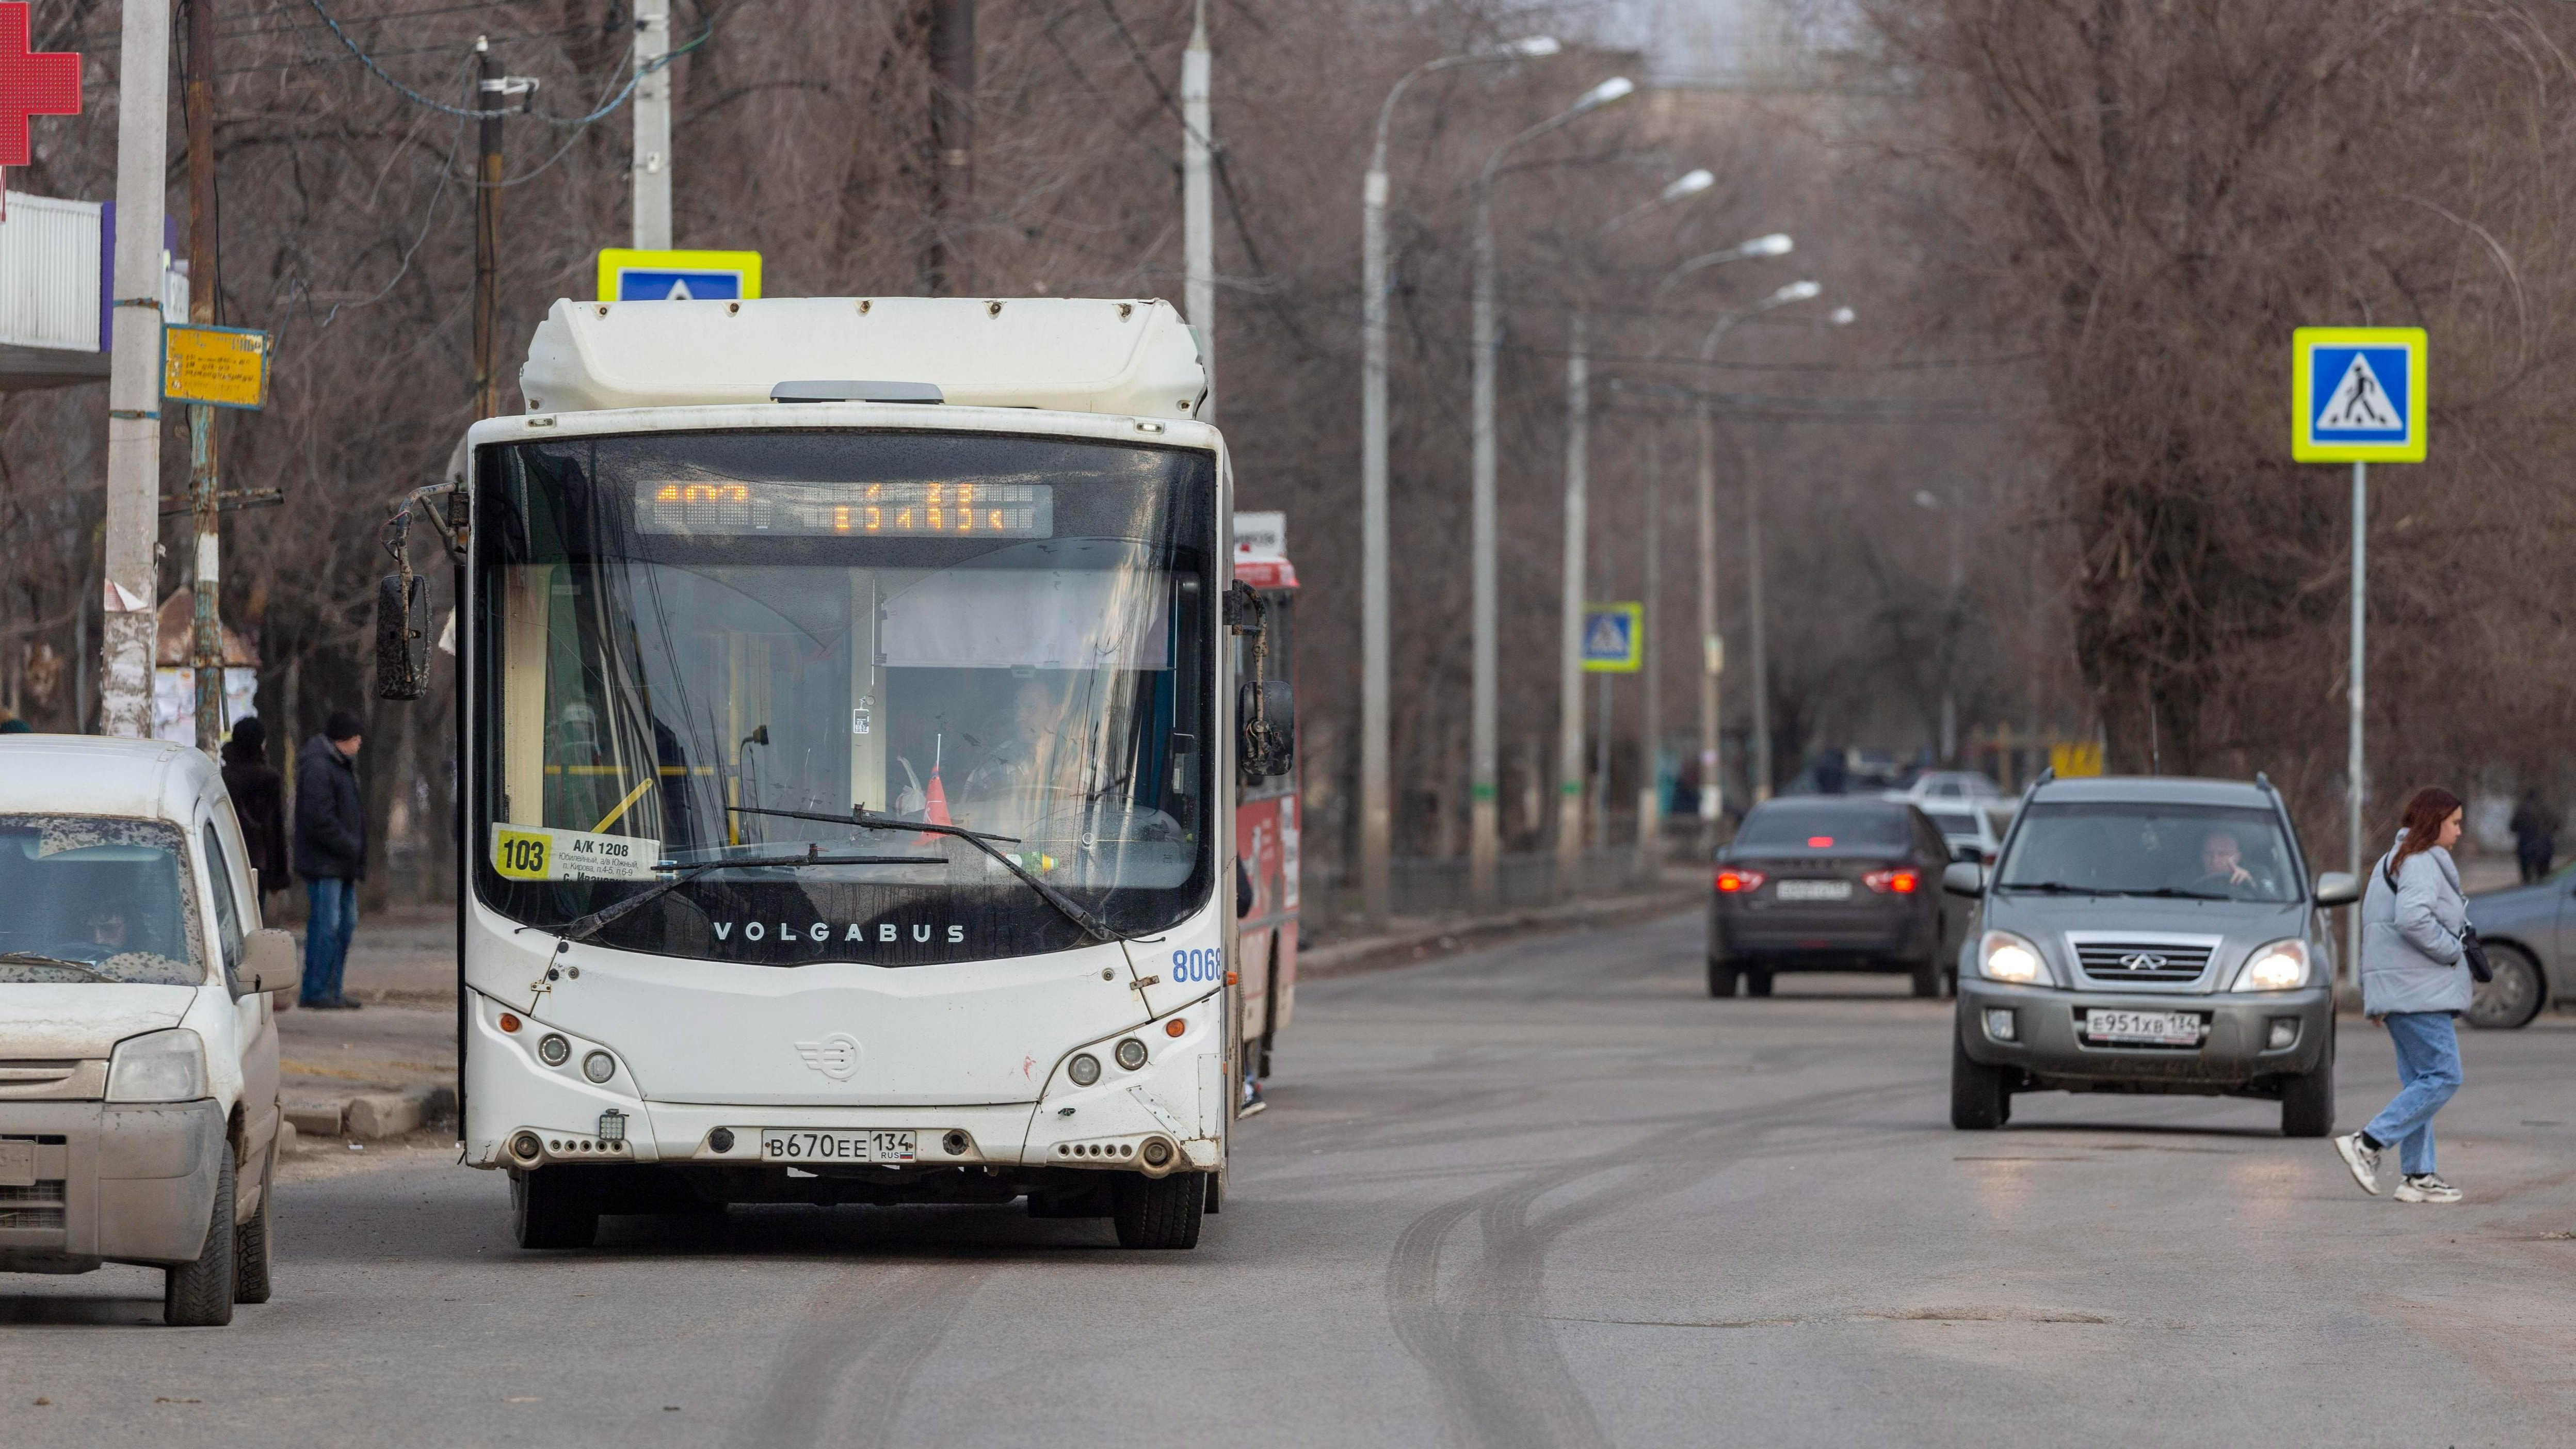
<point x="2160" y="1028"/>
<point x="795" y="1144"/>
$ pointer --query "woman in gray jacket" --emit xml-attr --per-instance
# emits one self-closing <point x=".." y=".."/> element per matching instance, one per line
<point x="2414" y="981"/>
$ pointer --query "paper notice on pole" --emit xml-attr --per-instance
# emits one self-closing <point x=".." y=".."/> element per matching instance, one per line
<point x="534" y="852"/>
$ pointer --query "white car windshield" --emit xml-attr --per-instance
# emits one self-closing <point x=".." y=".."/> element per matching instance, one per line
<point x="95" y="898"/>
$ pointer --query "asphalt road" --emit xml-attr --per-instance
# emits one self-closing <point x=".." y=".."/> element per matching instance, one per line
<point x="1545" y="1194"/>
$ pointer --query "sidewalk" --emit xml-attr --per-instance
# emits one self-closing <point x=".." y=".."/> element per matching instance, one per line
<point x="389" y="1069"/>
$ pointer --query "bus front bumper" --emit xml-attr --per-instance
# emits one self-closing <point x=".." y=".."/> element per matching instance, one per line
<point x="1167" y="1115"/>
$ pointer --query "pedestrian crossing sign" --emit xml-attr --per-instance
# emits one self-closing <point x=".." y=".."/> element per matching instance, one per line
<point x="1614" y="638"/>
<point x="628" y="275"/>
<point x="2357" y="395"/>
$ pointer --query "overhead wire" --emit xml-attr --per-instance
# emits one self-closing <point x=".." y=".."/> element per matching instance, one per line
<point x="604" y="110"/>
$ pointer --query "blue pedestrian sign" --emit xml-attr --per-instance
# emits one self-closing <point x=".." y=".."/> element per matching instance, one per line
<point x="627" y="275"/>
<point x="2357" y="395"/>
<point x="1614" y="638"/>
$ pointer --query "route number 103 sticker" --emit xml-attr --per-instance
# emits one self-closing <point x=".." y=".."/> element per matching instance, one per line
<point x="533" y="852"/>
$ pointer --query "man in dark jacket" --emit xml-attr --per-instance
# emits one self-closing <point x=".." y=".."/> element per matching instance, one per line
<point x="330" y="853"/>
<point x="2535" y="836"/>
<point x="259" y="801"/>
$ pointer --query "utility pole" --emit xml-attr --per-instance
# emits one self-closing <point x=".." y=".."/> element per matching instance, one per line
<point x="1753" y="624"/>
<point x="952" y="136"/>
<point x="206" y="636"/>
<point x="1712" y="644"/>
<point x="134" y="377"/>
<point x="1198" y="216"/>
<point x="652" y="205"/>
<point x="1569" y="656"/>
<point x="1650" y="732"/>
<point x="489" y="88"/>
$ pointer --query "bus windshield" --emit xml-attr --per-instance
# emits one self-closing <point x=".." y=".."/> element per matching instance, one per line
<point x="689" y="641"/>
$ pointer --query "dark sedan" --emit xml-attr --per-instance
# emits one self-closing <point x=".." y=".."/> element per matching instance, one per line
<point x="1828" y="883"/>
<point x="2530" y="935"/>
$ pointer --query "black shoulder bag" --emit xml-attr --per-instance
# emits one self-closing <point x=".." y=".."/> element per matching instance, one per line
<point x="2471" y="951"/>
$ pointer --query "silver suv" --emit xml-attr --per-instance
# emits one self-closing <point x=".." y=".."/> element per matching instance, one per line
<point x="2147" y="935"/>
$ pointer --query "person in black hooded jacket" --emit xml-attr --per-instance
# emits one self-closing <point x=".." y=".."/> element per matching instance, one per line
<point x="330" y="853"/>
<point x="259" y="801"/>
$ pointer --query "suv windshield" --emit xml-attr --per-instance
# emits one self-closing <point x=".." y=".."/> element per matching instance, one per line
<point x="1776" y="826"/>
<point x="95" y="898"/>
<point x="680" y="634"/>
<point x="2142" y="848"/>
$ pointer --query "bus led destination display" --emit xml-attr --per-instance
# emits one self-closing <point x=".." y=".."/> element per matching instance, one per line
<point x="812" y="510"/>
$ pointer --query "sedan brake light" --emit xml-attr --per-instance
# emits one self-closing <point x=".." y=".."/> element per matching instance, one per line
<point x="1900" y="882"/>
<point x="1733" y="881"/>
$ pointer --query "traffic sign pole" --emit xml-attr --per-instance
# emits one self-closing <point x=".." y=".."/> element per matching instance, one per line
<point x="652" y="202"/>
<point x="2352" y="760"/>
<point x="206" y="634"/>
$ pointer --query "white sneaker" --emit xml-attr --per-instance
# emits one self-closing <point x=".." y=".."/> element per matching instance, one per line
<point x="2426" y="1187"/>
<point x="2364" y="1161"/>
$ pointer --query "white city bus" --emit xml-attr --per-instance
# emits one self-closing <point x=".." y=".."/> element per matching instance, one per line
<point x="848" y="751"/>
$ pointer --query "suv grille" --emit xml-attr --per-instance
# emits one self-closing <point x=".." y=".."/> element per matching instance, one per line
<point x="2121" y="961"/>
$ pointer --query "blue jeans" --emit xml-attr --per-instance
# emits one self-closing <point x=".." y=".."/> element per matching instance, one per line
<point x="2428" y="1063"/>
<point x="326" y="936"/>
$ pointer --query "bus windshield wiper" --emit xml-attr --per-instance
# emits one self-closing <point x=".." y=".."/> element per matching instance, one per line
<point x="38" y="958"/>
<point x="582" y="928"/>
<point x="981" y="840"/>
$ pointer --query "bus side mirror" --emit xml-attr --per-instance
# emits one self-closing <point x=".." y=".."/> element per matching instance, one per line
<point x="402" y="636"/>
<point x="1267" y="709"/>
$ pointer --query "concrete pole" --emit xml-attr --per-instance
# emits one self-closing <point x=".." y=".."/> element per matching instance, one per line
<point x="1650" y="730"/>
<point x="487" y="234"/>
<point x="134" y="376"/>
<point x="1753" y="620"/>
<point x="1712" y="784"/>
<point x="1569" y="657"/>
<point x="1198" y="215"/>
<point x="652" y="103"/>
<point x="1377" y="810"/>
<point x="2358" y="788"/>
<point x="206" y="634"/>
<point x="1484" y="840"/>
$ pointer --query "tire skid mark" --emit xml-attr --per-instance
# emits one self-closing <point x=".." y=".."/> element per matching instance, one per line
<point x="843" y="1374"/>
<point x="1492" y="1356"/>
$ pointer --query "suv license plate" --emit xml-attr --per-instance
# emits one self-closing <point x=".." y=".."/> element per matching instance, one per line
<point x="2159" y="1028"/>
<point x="1813" y="890"/>
<point x="796" y="1144"/>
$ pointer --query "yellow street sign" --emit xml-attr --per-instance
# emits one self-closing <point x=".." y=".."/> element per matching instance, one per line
<point x="225" y="367"/>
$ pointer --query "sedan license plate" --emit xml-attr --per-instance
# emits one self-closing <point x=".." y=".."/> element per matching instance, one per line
<point x="1813" y="890"/>
<point x="797" y="1144"/>
<point x="2155" y="1028"/>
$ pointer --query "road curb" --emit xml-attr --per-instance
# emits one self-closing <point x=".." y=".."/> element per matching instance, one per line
<point x="368" y="1116"/>
<point x="1419" y="943"/>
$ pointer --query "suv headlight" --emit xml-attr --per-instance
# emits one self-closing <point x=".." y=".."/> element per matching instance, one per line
<point x="160" y="1066"/>
<point x="2280" y="966"/>
<point x="2003" y="956"/>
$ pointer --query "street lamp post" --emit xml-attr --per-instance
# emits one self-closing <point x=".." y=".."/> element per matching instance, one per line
<point x="1377" y="811"/>
<point x="1949" y="508"/>
<point x="1712" y="644"/>
<point x="1485" y="836"/>
<point x="1578" y="474"/>
<point x="1840" y="317"/>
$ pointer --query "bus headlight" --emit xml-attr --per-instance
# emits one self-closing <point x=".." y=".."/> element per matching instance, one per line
<point x="1084" y="1069"/>
<point x="1131" y="1054"/>
<point x="553" y="1050"/>
<point x="599" y="1067"/>
<point x="2279" y="966"/>
<point x="2003" y="956"/>
<point x="160" y="1066"/>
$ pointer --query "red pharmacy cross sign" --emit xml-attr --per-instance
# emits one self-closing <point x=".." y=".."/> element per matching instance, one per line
<point x="31" y="84"/>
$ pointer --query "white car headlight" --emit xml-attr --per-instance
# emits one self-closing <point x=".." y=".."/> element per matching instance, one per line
<point x="2279" y="966"/>
<point x="160" y="1066"/>
<point x="2003" y="956"/>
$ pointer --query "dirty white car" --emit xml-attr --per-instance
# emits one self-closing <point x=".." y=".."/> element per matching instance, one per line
<point x="138" y="1039"/>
